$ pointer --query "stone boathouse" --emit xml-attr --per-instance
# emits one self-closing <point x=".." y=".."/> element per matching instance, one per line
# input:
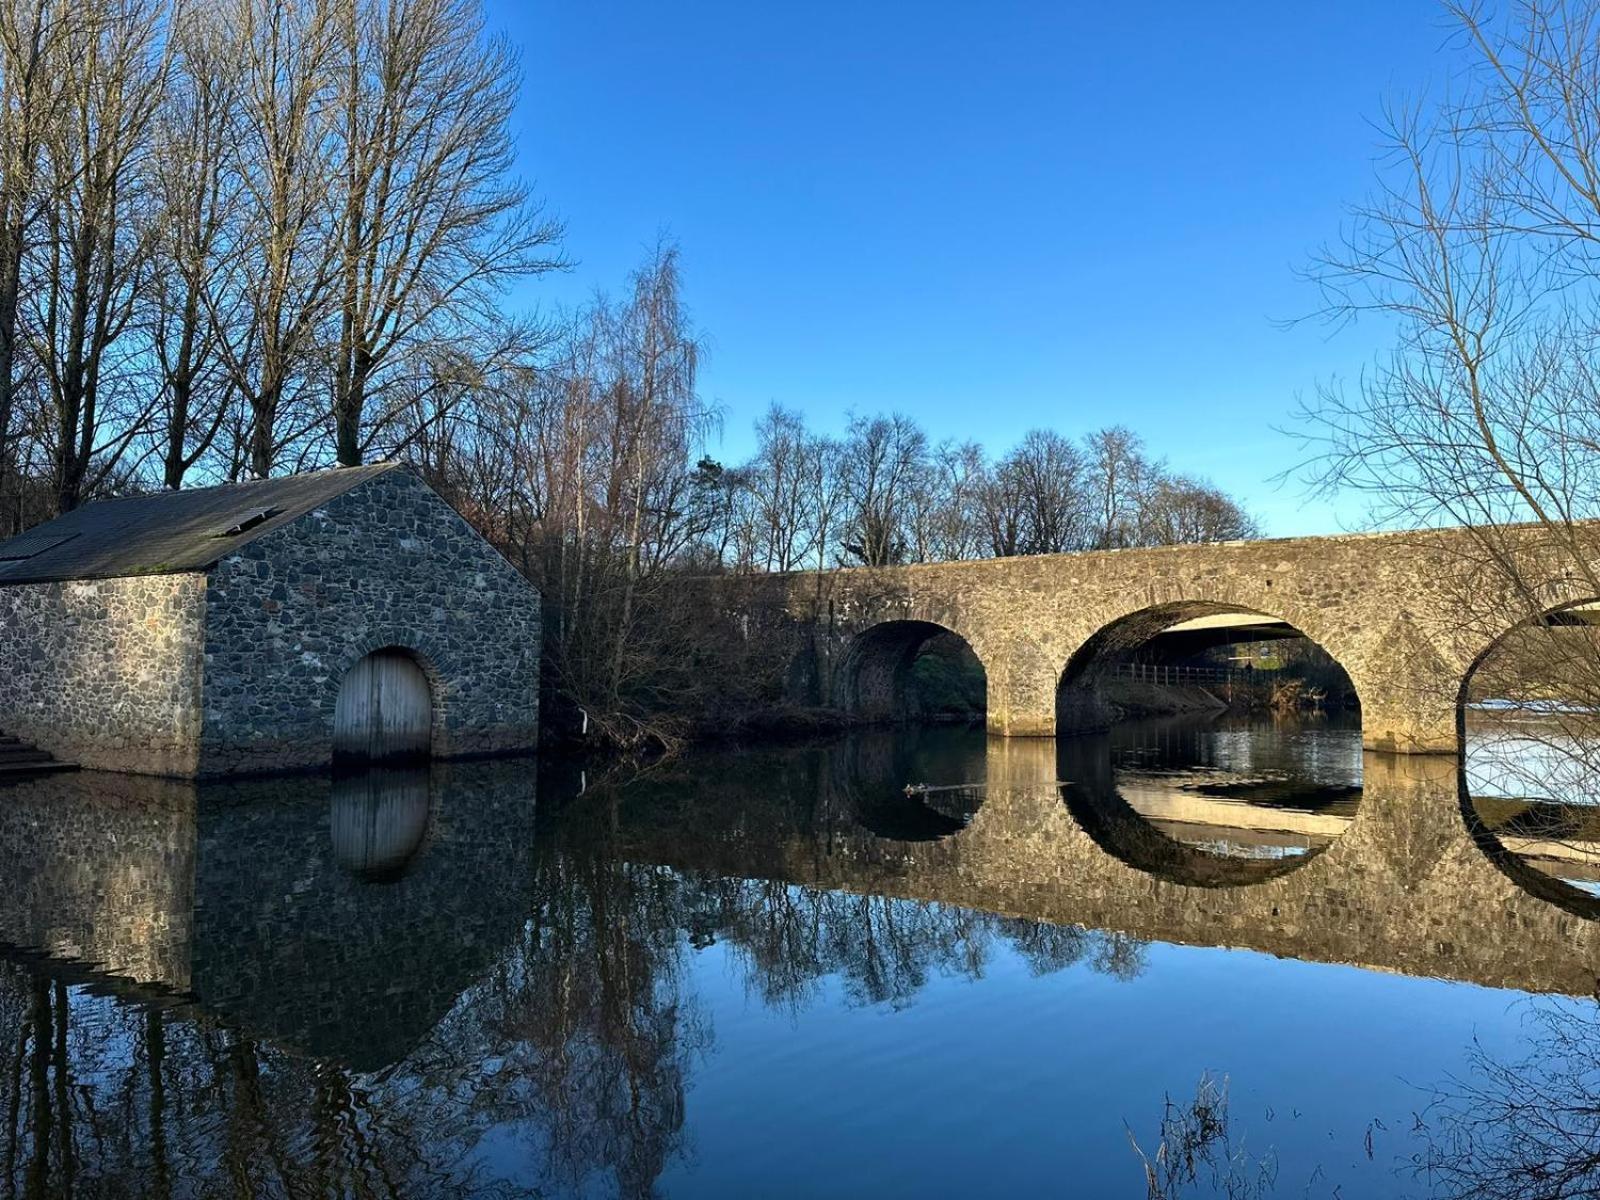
<point x="266" y="626"/>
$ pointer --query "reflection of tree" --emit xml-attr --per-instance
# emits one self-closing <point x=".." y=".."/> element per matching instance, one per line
<point x="105" y="1098"/>
<point x="587" y="1022"/>
<point x="885" y="951"/>
<point x="576" y="1045"/>
<point x="1527" y="1129"/>
<point x="563" y="1067"/>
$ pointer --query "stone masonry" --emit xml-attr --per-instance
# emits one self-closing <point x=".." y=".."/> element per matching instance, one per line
<point x="106" y="672"/>
<point x="1409" y="887"/>
<point x="385" y="564"/>
<point x="230" y="660"/>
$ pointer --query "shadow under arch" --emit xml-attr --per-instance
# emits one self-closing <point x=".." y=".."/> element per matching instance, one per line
<point x="908" y="787"/>
<point x="1528" y="732"/>
<point x="874" y="682"/>
<point x="1162" y="647"/>
<point x="1291" y="820"/>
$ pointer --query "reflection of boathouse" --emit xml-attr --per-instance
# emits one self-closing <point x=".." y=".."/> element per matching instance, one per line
<point x="266" y="625"/>
<point x="338" y="916"/>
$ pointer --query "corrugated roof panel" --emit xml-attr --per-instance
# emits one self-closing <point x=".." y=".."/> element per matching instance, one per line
<point x="169" y="533"/>
<point x="31" y="543"/>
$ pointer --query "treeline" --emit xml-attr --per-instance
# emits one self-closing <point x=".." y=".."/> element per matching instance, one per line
<point x="885" y="493"/>
<point x="244" y="237"/>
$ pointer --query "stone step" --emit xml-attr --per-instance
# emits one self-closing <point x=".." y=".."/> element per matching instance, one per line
<point x="24" y="770"/>
<point x="20" y="759"/>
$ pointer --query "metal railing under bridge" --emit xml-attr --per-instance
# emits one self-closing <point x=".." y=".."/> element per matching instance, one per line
<point x="1181" y="676"/>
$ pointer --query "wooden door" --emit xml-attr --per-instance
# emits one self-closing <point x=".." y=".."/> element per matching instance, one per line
<point x="384" y="711"/>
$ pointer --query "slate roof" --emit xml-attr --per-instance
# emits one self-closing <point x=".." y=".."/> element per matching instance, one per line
<point x="169" y="533"/>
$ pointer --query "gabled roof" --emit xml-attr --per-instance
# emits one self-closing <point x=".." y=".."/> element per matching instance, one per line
<point x="169" y="533"/>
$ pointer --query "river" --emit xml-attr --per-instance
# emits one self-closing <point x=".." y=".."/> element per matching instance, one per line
<point x="908" y="963"/>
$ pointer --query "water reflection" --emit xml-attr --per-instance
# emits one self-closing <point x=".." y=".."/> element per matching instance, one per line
<point x="916" y="786"/>
<point x="1531" y="795"/>
<point x="380" y="820"/>
<point x="1223" y="804"/>
<point x="426" y="985"/>
<point x="1525" y="1127"/>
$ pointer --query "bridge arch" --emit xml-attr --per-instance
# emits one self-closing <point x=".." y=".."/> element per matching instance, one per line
<point x="1161" y="648"/>
<point x="874" y="677"/>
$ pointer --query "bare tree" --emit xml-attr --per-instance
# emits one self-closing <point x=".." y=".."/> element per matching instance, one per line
<point x="31" y="96"/>
<point x="430" y="226"/>
<point x="1050" y="479"/>
<point x="1002" y="506"/>
<point x="958" y="471"/>
<point x="96" y="241"/>
<point x="285" y="270"/>
<point x="196" y="200"/>
<point x="1479" y="255"/>
<point x="883" y="456"/>
<point x="1118" y="474"/>
<point x="1181" y="510"/>
<point x="782" y="481"/>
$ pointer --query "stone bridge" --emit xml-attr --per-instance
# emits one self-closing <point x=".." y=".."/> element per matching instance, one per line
<point x="1408" y="616"/>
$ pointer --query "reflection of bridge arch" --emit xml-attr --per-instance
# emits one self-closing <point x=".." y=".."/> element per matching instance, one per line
<point x="1402" y="889"/>
<point x="873" y="676"/>
<point x="1091" y="792"/>
<point x="874" y="782"/>
<point x="1528" y="720"/>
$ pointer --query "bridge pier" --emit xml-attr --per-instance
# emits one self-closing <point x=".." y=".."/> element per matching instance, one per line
<point x="1396" y="724"/>
<point x="1022" y="690"/>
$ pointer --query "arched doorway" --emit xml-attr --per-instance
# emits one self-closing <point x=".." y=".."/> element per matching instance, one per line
<point x="385" y="710"/>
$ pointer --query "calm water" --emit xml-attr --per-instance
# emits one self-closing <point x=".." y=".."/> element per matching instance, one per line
<point x="780" y="974"/>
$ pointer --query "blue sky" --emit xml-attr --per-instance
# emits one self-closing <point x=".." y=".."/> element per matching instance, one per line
<point x="991" y="216"/>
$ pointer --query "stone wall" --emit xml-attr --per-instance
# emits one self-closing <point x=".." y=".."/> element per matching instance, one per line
<point x="1408" y="615"/>
<point x="106" y="672"/>
<point x="294" y="940"/>
<point x="385" y="564"/>
<point x="240" y="895"/>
